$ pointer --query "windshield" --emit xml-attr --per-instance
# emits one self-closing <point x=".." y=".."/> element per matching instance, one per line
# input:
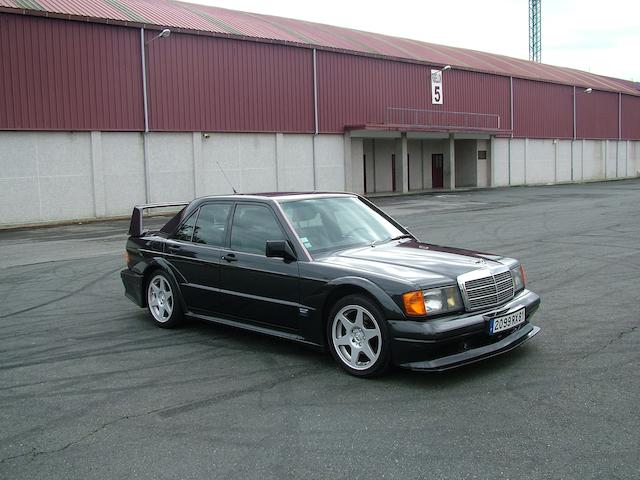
<point x="333" y="223"/>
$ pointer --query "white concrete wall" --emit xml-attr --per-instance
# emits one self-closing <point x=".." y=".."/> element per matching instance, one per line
<point x="592" y="160"/>
<point x="610" y="154"/>
<point x="122" y="179"/>
<point x="295" y="161"/>
<point x="171" y="167"/>
<point x="518" y="161"/>
<point x="45" y="176"/>
<point x="329" y="164"/>
<point x="58" y="176"/>
<point x="576" y="159"/>
<point x="499" y="155"/>
<point x="563" y="161"/>
<point x="541" y="162"/>
<point x="633" y="158"/>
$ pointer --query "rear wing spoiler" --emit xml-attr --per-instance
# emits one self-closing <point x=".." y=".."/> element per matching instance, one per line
<point x="136" y="228"/>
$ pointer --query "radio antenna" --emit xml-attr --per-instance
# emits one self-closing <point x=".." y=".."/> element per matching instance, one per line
<point x="225" y="177"/>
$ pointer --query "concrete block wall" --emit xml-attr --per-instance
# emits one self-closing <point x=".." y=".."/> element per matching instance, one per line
<point x="534" y="161"/>
<point x="58" y="176"/>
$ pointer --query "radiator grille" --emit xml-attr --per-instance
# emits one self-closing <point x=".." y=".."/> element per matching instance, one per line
<point x="489" y="291"/>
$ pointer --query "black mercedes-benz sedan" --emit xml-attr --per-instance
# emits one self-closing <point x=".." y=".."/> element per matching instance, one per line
<point x="330" y="270"/>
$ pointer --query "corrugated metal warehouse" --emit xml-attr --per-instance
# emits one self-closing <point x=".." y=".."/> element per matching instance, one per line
<point x="98" y="111"/>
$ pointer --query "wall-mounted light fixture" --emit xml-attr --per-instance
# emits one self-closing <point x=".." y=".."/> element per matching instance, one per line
<point x="163" y="34"/>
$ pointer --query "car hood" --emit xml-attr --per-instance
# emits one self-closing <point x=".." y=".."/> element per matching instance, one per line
<point x="421" y="263"/>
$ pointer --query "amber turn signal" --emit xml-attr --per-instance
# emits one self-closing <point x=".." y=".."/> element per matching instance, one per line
<point x="524" y="275"/>
<point x="414" y="303"/>
<point x="127" y="257"/>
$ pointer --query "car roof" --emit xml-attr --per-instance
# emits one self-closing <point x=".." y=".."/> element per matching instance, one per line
<point x="278" y="196"/>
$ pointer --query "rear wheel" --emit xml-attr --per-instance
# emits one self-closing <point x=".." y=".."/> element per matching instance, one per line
<point x="162" y="300"/>
<point x="357" y="336"/>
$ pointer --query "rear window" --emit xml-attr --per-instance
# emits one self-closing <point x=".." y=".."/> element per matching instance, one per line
<point x="185" y="231"/>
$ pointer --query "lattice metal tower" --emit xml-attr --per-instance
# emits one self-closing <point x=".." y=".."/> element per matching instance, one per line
<point x="535" y="36"/>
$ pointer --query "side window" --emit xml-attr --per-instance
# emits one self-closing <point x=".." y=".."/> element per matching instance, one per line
<point x="186" y="229"/>
<point x="252" y="226"/>
<point x="211" y="228"/>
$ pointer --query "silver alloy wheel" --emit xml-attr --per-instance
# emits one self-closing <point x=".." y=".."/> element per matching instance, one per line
<point x="356" y="337"/>
<point x="160" y="298"/>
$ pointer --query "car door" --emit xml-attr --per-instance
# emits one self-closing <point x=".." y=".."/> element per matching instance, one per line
<point x="202" y="269"/>
<point x="256" y="288"/>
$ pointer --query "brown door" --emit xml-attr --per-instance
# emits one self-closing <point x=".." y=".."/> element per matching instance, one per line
<point x="437" y="170"/>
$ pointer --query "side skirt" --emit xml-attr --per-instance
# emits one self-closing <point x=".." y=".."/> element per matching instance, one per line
<point x="257" y="329"/>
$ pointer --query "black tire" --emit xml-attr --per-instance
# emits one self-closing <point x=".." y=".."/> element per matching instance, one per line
<point x="163" y="300"/>
<point x="348" y="338"/>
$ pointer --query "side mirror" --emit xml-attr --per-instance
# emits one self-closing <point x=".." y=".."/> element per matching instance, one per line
<point x="280" y="249"/>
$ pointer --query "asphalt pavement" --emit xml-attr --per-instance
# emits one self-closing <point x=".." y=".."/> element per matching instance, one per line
<point x="90" y="389"/>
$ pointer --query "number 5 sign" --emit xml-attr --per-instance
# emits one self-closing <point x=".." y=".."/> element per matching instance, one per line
<point x="436" y="87"/>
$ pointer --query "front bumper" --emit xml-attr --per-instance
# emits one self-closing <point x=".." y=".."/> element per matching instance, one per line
<point x="453" y="341"/>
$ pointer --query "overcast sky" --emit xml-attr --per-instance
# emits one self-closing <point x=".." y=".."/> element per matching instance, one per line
<point x="597" y="36"/>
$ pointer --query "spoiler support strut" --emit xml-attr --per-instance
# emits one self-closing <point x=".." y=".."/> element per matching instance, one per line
<point x="135" y="227"/>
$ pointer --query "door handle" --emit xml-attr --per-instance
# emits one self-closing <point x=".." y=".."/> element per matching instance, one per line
<point x="229" y="257"/>
<point x="174" y="248"/>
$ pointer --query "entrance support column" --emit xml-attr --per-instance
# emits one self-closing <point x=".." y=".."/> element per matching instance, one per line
<point x="348" y="167"/>
<point x="402" y="164"/>
<point x="450" y="165"/>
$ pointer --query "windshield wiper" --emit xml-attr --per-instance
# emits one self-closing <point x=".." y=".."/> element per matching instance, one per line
<point x="386" y="240"/>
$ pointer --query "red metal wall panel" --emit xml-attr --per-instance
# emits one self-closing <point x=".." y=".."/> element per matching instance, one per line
<point x="60" y="75"/>
<point x="355" y="90"/>
<point x="630" y="117"/>
<point x="596" y="114"/>
<point x="542" y="110"/>
<point x="213" y="84"/>
<point x="477" y="92"/>
<point x="221" y="21"/>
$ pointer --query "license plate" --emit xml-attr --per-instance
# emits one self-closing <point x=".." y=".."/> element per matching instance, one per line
<point x="499" y="324"/>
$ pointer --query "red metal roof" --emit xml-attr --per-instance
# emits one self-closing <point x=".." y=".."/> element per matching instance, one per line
<point x="189" y="17"/>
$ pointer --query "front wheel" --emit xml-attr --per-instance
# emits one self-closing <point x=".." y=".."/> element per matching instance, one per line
<point x="357" y="336"/>
<point x="162" y="300"/>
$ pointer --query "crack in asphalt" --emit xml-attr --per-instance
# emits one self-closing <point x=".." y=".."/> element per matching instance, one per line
<point x="70" y="294"/>
<point x="611" y="341"/>
<point x="35" y="453"/>
<point x="169" y="411"/>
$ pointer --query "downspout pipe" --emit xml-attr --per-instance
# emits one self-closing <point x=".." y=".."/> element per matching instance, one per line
<point x="315" y="91"/>
<point x="145" y="146"/>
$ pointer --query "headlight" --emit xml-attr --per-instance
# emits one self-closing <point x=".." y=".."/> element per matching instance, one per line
<point x="432" y="302"/>
<point x="442" y="300"/>
<point x="519" y="278"/>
